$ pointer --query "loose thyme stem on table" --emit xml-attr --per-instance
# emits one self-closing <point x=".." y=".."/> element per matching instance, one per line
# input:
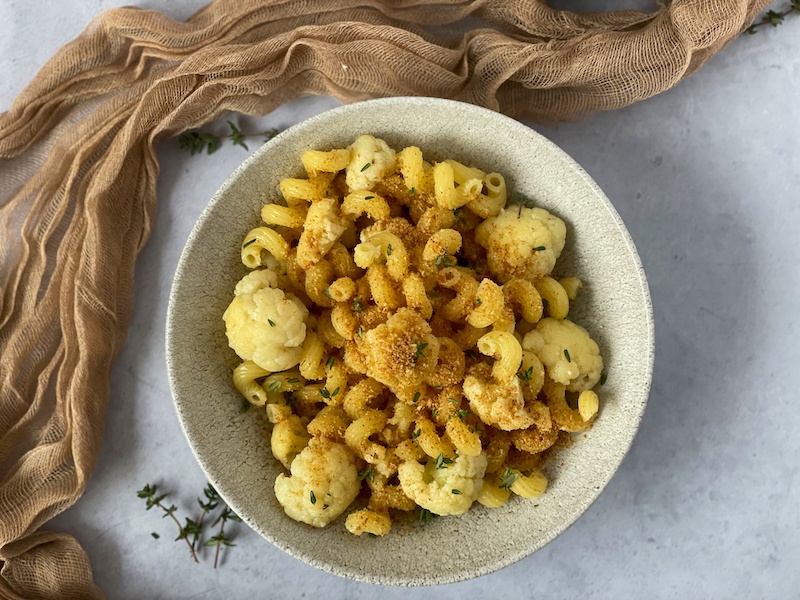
<point x="194" y="142"/>
<point x="192" y="531"/>
<point x="212" y="500"/>
<point x="148" y="492"/>
<point x="220" y="539"/>
<point x="774" y="18"/>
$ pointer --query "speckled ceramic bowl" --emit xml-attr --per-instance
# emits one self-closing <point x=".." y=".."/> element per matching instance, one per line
<point x="614" y="306"/>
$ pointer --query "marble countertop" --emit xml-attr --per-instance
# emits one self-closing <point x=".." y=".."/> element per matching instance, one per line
<point x="707" y="178"/>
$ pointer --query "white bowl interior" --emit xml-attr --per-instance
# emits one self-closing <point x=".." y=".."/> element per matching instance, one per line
<point x="614" y="306"/>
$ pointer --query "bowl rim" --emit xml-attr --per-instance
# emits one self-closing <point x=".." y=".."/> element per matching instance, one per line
<point x="586" y="500"/>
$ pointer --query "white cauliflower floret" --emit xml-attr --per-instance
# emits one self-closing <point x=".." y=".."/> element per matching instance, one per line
<point x="264" y="324"/>
<point x="448" y="490"/>
<point x="370" y="160"/>
<point x="572" y="358"/>
<point x="323" y="483"/>
<point x="498" y="403"/>
<point x="522" y="242"/>
<point x="322" y="228"/>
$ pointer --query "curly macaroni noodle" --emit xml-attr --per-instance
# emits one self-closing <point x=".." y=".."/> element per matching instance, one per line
<point x="426" y="357"/>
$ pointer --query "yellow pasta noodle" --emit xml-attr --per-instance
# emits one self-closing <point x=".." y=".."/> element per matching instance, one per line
<point x="556" y="297"/>
<point x="244" y="379"/>
<point x="410" y="160"/>
<point x="492" y="495"/>
<point x="463" y="173"/>
<point x="312" y="359"/>
<point x="365" y="202"/>
<point x="588" y="404"/>
<point x="529" y="486"/>
<point x="275" y="214"/>
<point x="332" y="161"/>
<point x="263" y="238"/>
<point x="489" y="304"/>
<point x="571" y="285"/>
<point x="430" y="441"/>
<point x="506" y="351"/>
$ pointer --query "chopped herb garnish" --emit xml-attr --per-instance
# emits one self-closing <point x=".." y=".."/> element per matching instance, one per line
<point x="459" y="215"/>
<point x="442" y="461"/>
<point x="291" y="401"/>
<point x="526" y="376"/>
<point x="271" y="322"/>
<point x="367" y="474"/>
<point x="416" y="434"/>
<point x="324" y="506"/>
<point x="462" y="413"/>
<point x="566" y="355"/>
<point x="293" y="380"/>
<point x="443" y="259"/>
<point x="456" y="492"/>
<point x="426" y="516"/>
<point x="368" y="197"/>
<point x="478" y="301"/>
<point x="325" y="393"/>
<point x="365" y="167"/>
<point x="155" y="535"/>
<point x="539" y="248"/>
<point x="274" y="386"/>
<point x="330" y="362"/>
<point x="237" y="138"/>
<point x="313" y="498"/>
<point x="334" y="392"/>
<point x="327" y="292"/>
<point x="360" y="332"/>
<point x="452" y="400"/>
<point x="416" y="397"/>
<point x="246" y="244"/>
<point x="357" y="305"/>
<point x="389" y="250"/>
<point x="507" y="479"/>
<point x="420" y="351"/>
<point x="434" y="412"/>
<point x="603" y="378"/>
<point x="413" y="191"/>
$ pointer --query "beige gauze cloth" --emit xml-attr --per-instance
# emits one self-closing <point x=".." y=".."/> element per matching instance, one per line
<point x="78" y="177"/>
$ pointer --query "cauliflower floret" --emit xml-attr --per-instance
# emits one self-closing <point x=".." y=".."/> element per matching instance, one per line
<point x="402" y="352"/>
<point x="448" y="490"/>
<point x="370" y="160"/>
<point x="264" y="324"/>
<point x="572" y="358"/>
<point x="323" y="483"/>
<point x="522" y="242"/>
<point x="498" y="403"/>
<point x="323" y="227"/>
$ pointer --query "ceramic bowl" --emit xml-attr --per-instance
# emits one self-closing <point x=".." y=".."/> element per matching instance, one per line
<point x="614" y="306"/>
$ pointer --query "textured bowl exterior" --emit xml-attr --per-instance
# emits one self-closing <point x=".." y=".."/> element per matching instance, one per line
<point x="614" y="306"/>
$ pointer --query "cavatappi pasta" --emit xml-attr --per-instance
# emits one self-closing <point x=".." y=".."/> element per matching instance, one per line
<point x="404" y="337"/>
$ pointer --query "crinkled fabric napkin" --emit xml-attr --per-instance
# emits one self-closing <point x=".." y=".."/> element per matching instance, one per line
<point x="78" y="177"/>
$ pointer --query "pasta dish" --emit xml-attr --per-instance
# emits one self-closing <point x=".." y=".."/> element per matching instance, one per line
<point x="402" y="331"/>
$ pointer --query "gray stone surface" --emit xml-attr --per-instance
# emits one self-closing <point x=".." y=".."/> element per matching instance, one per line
<point x="707" y="179"/>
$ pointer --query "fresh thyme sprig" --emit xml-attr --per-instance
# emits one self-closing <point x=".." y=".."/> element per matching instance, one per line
<point x="221" y="539"/>
<point x="212" y="500"/>
<point x="194" y="142"/>
<point x="192" y="531"/>
<point x="775" y="18"/>
<point x="150" y="493"/>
